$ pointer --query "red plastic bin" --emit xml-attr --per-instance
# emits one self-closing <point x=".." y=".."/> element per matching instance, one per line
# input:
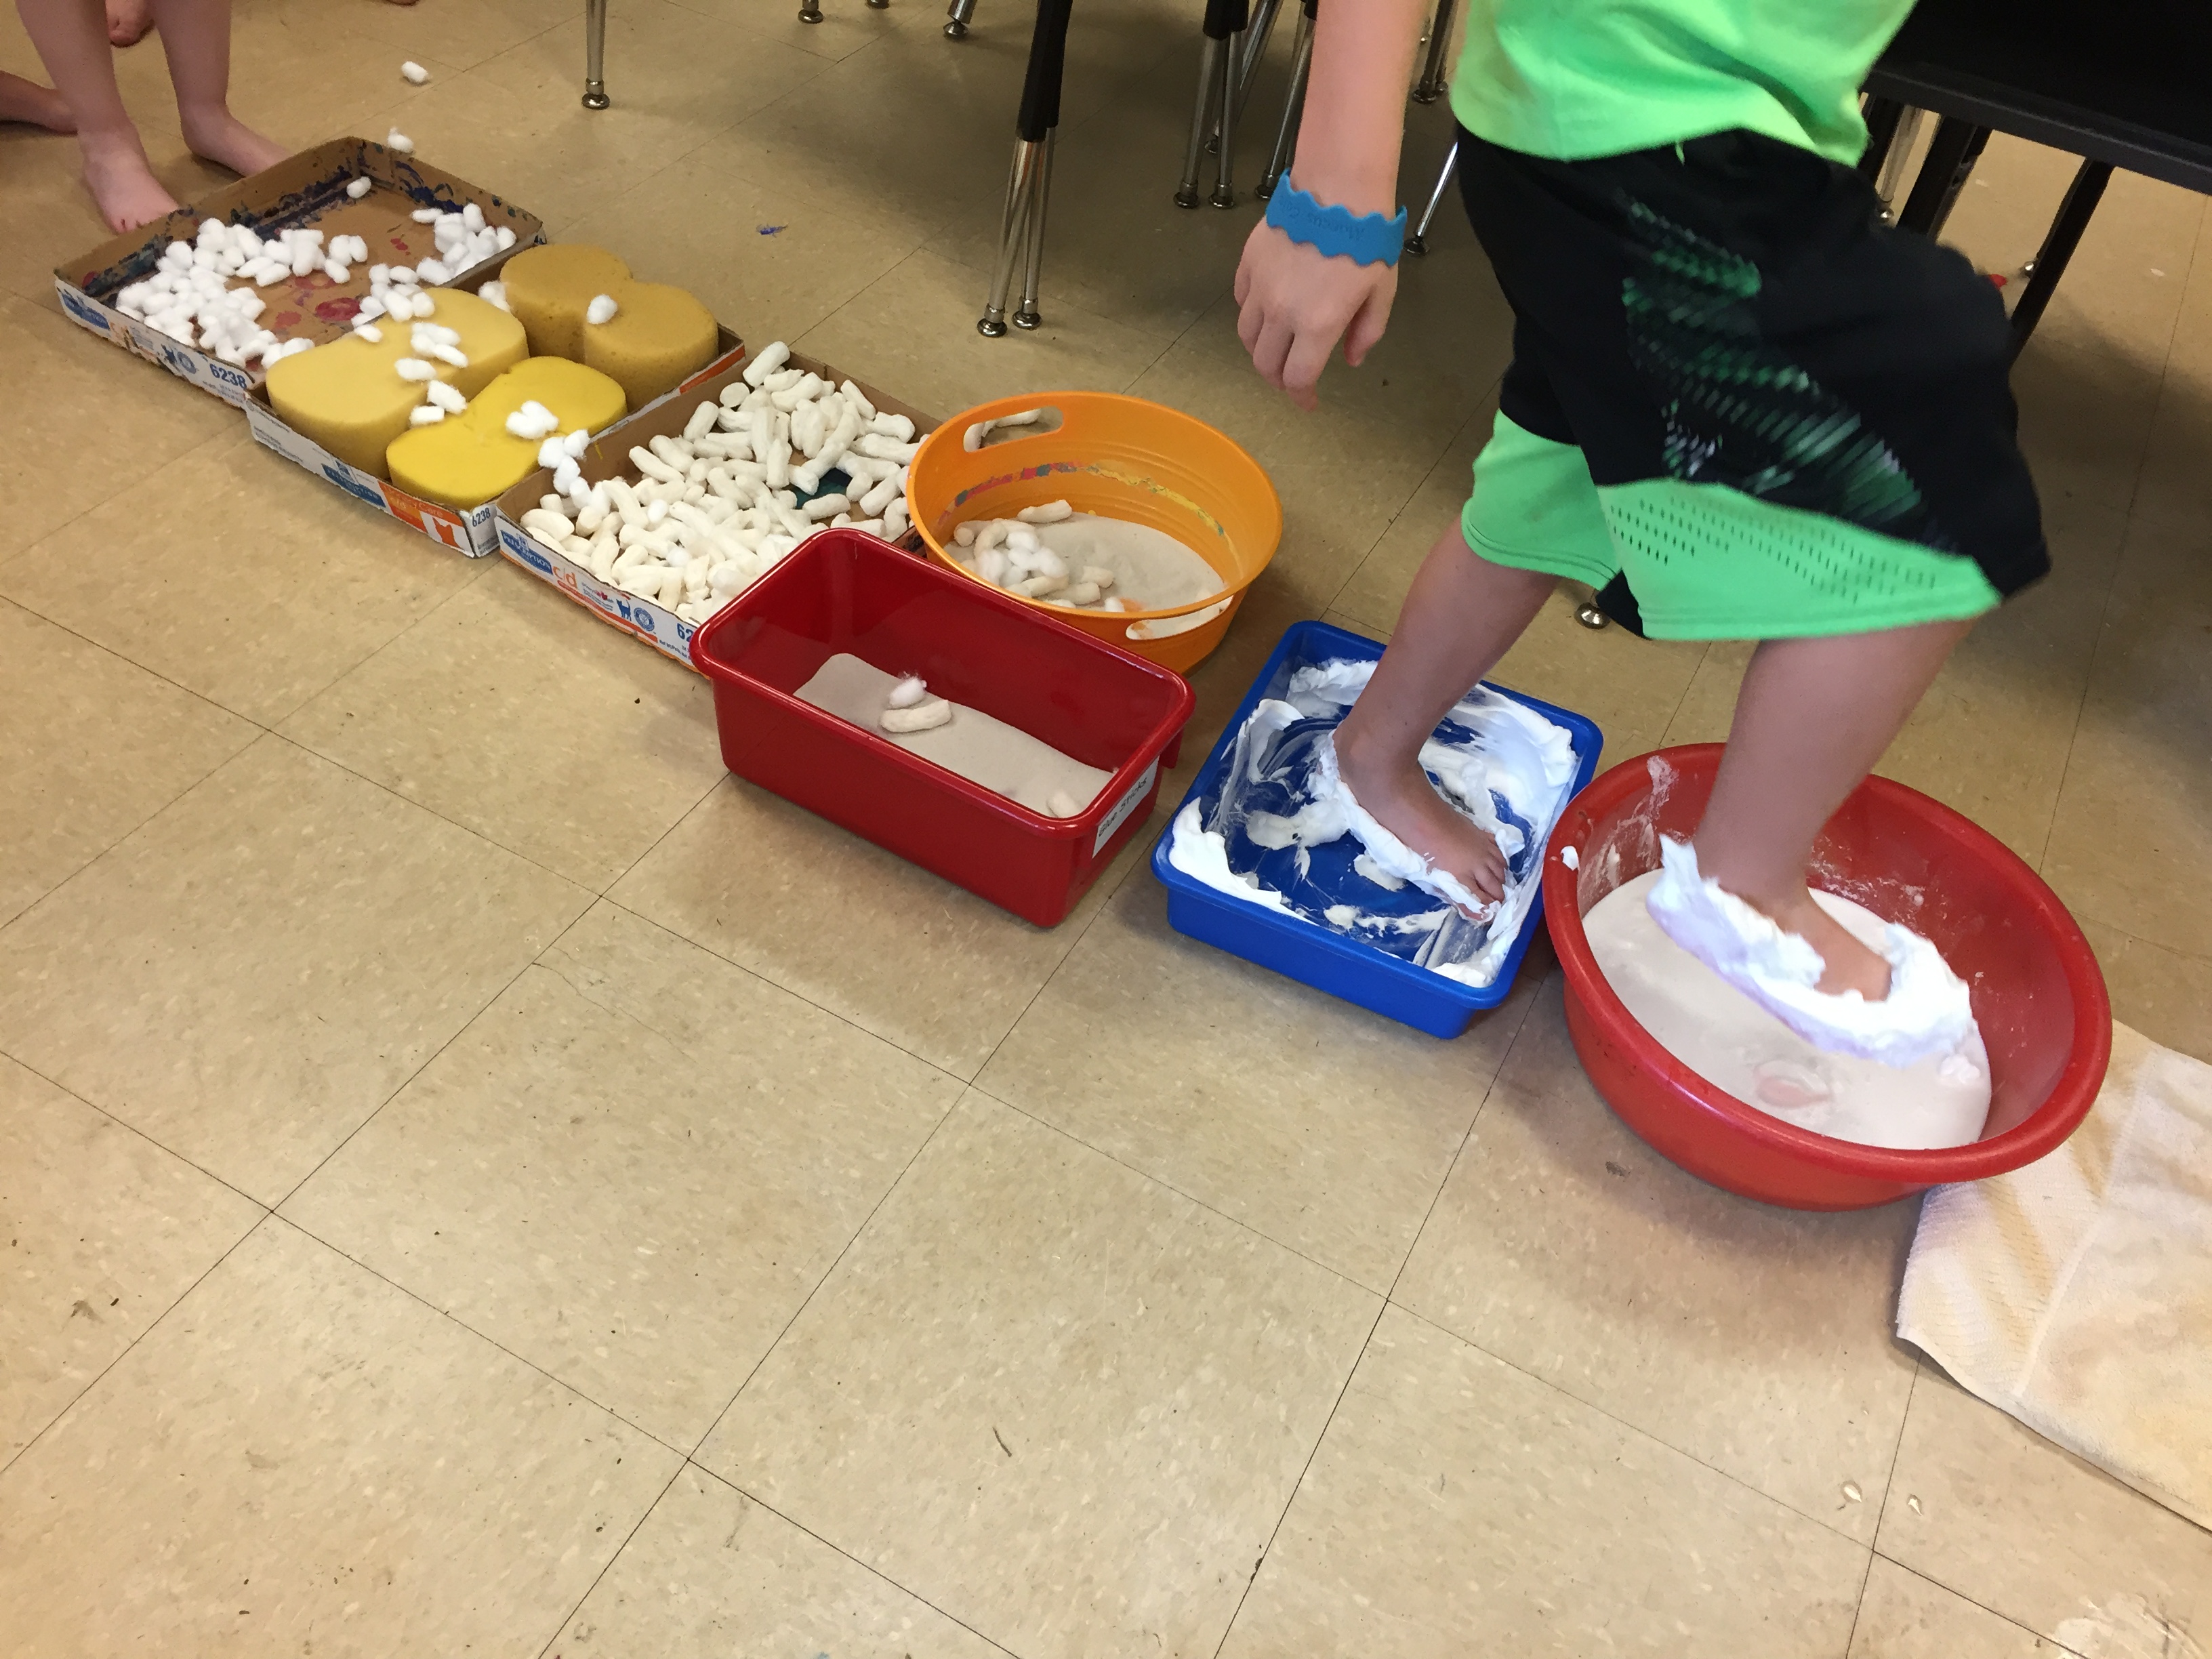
<point x="2037" y="992"/>
<point x="844" y="591"/>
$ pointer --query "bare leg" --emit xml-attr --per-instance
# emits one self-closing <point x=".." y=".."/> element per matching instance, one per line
<point x="71" y="36"/>
<point x="1811" y="719"/>
<point x="1461" y="614"/>
<point x="196" y="35"/>
<point x="128" y="21"/>
<point x="38" y="107"/>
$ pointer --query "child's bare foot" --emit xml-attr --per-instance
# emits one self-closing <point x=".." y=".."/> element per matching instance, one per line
<point x="1400" y="799"/>
<point x="122" y="181"/>
<point x="28" y="101"/>
<point x="128" y="21"/>
<point x="1847" y="965"/>
<point x="219" y="137"/>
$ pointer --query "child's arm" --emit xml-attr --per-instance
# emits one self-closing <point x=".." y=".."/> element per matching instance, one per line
<point x="1296" y="302"/>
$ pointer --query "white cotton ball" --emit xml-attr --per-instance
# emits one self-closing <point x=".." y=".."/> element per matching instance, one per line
<point x="504" y="236"/>
<point x="432" y="270"/>
<point x="473" y="216"/>
<point x="370" y="333"/>
<point x="359" y="188"/>
<point x="494" y="293"/>
<point x="907" y="693"/>
<point x="425" y="415"/>
<point x="414" y="369"/>
<point x="601" y="310"/>
<point x="399" y="141"/>
<point x="578" y="442"/>
<point x="552" y="453"/>
<point x="416" y="73"/>
<point x="446" y="396"/>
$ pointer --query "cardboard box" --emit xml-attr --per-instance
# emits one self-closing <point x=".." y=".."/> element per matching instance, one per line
<point x="474" y="532"/>
<point x="661" y="628"/>
<point x="306" y="189"/>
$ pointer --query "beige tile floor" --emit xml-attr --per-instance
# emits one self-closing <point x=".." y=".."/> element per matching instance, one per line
<point x="478" y="1179"/>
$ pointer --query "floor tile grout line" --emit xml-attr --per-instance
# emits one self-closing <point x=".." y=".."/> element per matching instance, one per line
<point x="1927" y="1577"/>
<point x="1635" y="1429"/>
<point x="455" y="1319"/>
<point x="1152" y="1178"/>
<point x="430" y="1059"/>
<point x="2088" y="679"/>
<point x="844" y="1250"/>
<point x="152" y="1325"/>
<point x="261" y="734"/>
<point x="1290" y="1503"/>
<point x="1888" y="1496"/>
<point x="846" y="1020"/>
<point x="126" y="1123"/>
<point x="2165" y="361"/>
<point x="1389" y="1301"/>
<point x="1488" y="397"/>
<point x="876" y="1572"/>
<point x="616" y="1554"/>
<point x="229" y="437"/>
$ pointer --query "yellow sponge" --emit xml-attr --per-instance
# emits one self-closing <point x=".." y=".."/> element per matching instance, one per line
<point x="549" y="288"/>
<point x="348" y="396"/>
<point x="466" y="459"/>
<point x="658" y="335"/>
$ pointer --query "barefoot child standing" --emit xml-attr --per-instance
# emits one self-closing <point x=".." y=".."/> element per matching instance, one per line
<point x="72" y="38"/>
<point x="1737" y="403"/>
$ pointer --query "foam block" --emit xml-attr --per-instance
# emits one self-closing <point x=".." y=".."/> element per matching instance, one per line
<point x="548" y="287"/>
<point x="349" y="397"/>
<point x="464" y="461"/>
<point x="659" y="335"/>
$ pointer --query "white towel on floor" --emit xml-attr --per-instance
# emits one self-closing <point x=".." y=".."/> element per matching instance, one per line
<point x="2077" y="1293"/>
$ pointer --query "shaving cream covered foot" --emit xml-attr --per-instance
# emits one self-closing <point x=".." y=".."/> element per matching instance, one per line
<point x="1743" y="1050"/>
<point x="1927" y="1014"/>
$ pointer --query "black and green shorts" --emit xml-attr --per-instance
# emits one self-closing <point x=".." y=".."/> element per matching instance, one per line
<point x="1739" y="406"/>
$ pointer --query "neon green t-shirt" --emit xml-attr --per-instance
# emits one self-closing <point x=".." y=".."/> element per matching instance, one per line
<point x="1573" y="79"/>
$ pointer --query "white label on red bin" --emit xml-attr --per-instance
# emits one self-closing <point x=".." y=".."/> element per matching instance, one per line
<point x="1120" y="815"/>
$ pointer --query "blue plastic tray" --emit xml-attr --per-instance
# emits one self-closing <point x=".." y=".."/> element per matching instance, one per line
<point x="1314" y="955"/>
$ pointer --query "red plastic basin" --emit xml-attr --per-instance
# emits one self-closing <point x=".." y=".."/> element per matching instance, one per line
<point x="845" y="592"/>
<point x="2037" y="992"/>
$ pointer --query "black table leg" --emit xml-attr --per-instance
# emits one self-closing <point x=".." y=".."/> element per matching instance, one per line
<point x="2058" y="244"/>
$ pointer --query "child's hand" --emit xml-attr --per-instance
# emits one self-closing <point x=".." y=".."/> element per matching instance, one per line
<point x="1296" y="302"/>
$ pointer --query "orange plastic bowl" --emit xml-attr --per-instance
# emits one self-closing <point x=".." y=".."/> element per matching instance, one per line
<point x="2037" y="992"/>
<point x="1122" y="457"/>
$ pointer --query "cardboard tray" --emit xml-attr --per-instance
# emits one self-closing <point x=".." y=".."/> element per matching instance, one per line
<point x="609" y="458"/>
<point x="306" y="189"/>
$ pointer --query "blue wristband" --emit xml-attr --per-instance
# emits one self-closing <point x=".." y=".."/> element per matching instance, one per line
<point x="1369" y="238"/>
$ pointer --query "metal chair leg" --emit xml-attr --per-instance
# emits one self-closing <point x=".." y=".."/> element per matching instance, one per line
<point x="1224" y="183"/>
<point x="1294" y="103"/>
<point x="1254" y="46"/>
<point x="1025" y="314"/>
<point x="1890" y="180"/>
<point x="1013" y="234"/>
<point x="810" y="11"/>
<point x="595" y="54"/>
<point x="1431" y="86"/>
<point x="1418" y="241"/>
<point x="957" y="17"/>
<point x="2058" y="244"/>
<point x="1209" y="72"/>
<point x="1952" y="153"/>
